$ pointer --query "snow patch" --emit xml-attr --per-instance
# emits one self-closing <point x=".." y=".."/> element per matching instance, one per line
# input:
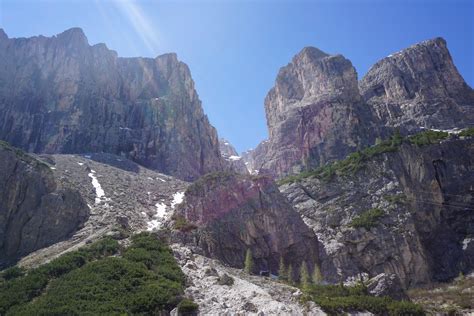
<point x="99" y="192"/>
<point x="80" y="163"/>
<point x="52" y="168"/>
<point x="162" y="213"/>
<point x="466" y="242"/>
<point x="177" y="199"/>
<point x="235" y="158"/>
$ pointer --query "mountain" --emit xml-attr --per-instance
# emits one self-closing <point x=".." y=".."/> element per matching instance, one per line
<point x="232" y="160"/>
<point x="315" y="114"/>
<point x="60" y="95"/>
<point x="318" y="112"/>
<point x="360" y="200"/>
<point x="419" y="87"/>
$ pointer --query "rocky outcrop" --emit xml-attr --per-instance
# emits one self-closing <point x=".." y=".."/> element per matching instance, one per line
<point x="61" y="95"/>
<point x="406" y="213"/>
<point x="232" y="160"/>
<point x="231" y="213"/>
<point x="419" y="87"/>
<point x="315" y="114"/>
<point x="34" y="211"/>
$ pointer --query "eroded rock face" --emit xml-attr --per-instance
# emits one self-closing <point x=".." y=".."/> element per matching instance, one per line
<point x="315" y="114"/>
<point x="34" y="211"/>
<point x="419" y="87"/>
<point x="61" y="95"/>
<point x="234" y="213"/>
<point x="232" y="160"/>
<point x="425" y="198"/>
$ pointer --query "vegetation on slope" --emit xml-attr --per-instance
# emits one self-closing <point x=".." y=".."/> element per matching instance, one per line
<point x="357" y="160"/>
<point x="99" y="279"/>
<point x="339" y="299"/>
<point x="367" y="219"/>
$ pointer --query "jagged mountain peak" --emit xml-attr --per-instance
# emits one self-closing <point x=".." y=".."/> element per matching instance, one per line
<point x="419" y="86"/>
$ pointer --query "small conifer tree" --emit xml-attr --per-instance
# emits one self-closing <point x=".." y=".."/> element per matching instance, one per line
<point x="304" y="275"/>
<point x="317" y="276"/>
<point x="248" y="264"/>
<point x="282" y="272"/>
<point x="291" y="278"/>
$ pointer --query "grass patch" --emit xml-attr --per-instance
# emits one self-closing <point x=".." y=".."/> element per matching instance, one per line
<point x="396" y="198"/>
<point x="468" y="132"/>
<point x="182" y="224"/>
<point x="367" y="219"/>
<point x="338" y="300"/>
<point x="99" y="279"/>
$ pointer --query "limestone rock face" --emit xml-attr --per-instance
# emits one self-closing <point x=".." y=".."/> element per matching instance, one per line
<point x="315" y="114"/>
<point x="34" y="211"/>
<point x="234" y="213"/>
<point x="419" y="87"/>
<point x="424" y="200"/>
<point x="232" y="160"/>
<point x="61" y="95"/>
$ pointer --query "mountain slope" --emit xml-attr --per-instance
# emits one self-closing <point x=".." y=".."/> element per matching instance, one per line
<point x="61" y="95"/>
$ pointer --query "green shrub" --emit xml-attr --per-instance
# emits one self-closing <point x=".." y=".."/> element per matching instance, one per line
<point x="12" y="273"/>
<point x="367" y="219"/>
<point x="187" y="306"/>
<point x="182" y="224"/>
<point x="338" y="300"/>
<point x="428" y="137"/>
<point x="145" y="280"/>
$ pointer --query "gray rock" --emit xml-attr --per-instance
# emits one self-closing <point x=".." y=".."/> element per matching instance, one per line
<point x="425" y="197"/>
<point x="232" y="160"/>
<point x="35" y="211"/>
<point x="60" y="95"/>
<point x="419" y="87"/>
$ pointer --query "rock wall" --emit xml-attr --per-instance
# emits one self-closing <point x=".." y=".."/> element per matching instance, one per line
<point x="34" y="211"/>
<point x="423" y="231"/>
<point x="233" y="213"/>
<point x="61" y="95"/>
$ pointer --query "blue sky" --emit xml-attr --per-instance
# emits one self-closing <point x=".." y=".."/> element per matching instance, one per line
<point x="235" y="48"/>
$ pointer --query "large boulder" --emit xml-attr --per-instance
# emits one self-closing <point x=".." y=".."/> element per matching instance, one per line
<point x="232" y="213"/>
<point x="60" y="95"/>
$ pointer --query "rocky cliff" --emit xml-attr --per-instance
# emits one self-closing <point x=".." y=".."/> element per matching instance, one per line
<point x="228" y="213"/>
<point x="232" y="160"/>
<point x="406" y="212"/>
<point x="61" y="95"/>
<point x="315" y="114"/>
<point x="35" y="211"/>
<point x="419" y="86"/>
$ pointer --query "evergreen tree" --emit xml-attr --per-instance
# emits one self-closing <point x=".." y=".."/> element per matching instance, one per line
<point x="291" y="278"/>
<point x="248" y="264"/>
<point x="304" y="275"/>
<point x="282" y="272"/>
<point x="317" y="276"/>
